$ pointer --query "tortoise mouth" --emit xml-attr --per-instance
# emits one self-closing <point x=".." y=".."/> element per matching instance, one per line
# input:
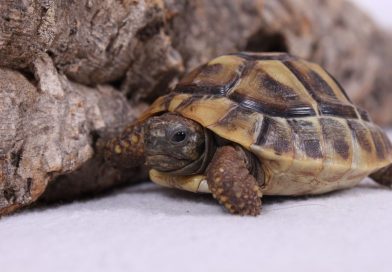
<point x="165" y="162"/>
<point x="193" y="183"/>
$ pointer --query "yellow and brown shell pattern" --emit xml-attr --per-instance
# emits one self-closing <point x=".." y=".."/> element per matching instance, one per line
<point x="292" y="114"/>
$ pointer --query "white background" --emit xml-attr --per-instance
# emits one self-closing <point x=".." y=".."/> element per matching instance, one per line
<point x="379" y="9"/>
<point x="147" y="228"/>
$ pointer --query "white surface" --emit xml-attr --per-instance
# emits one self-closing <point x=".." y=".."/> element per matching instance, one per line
<point x="149" y="228"/>
<point x="379" y="9"/>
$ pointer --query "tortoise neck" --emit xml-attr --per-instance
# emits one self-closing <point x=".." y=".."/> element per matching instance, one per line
<point x="199" y="166"/>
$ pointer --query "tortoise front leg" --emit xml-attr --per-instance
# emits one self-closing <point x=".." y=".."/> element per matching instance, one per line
<point x="231" y="183"/>
<point x="127" y="149"/>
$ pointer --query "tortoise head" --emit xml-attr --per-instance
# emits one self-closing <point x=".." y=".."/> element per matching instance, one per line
<point x="174" y="144"/>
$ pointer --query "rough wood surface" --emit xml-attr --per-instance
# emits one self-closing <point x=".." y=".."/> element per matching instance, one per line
<point x="67" y="68"/>
<point x="49" y="127"/>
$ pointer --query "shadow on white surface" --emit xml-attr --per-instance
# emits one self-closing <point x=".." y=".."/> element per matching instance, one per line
<point x="153" y="199"/>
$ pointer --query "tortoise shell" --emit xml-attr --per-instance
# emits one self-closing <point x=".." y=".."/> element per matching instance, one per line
<point x="290" y="113"/>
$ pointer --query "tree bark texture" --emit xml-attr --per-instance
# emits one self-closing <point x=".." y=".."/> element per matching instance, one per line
<point x="73" y="73"/>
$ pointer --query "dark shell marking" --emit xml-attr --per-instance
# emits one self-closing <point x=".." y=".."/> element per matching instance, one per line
<point x="334" y="132"/>
<point x="326" y="98"/>
<point x="341" y="89"/>
<point x="274" y="135"/>
<point x="236" y="113"/>
<point x="360" y="134"/>
<point x="265" y="56"/>
<point x="379" y="143"/>
<point x="308" y="137"/>
<point x="269" y="96"/>
<point x="203" y="80"/>
<point x="364" y="114"/>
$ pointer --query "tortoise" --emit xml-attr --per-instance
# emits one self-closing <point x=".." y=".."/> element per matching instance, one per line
<point x="249" y="124"/>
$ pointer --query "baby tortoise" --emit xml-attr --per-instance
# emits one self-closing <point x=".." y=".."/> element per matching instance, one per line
<point x="251" y="124"/>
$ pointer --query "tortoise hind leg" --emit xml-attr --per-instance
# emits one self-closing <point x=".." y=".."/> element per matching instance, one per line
<point x="383" y="176"/>
<point x="231" y="183"/>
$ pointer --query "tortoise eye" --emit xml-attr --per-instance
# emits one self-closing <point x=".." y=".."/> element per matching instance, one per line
<point x="178" y="137"/>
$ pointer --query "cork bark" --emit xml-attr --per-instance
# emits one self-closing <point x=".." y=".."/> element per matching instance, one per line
<point x="73" y="73"/>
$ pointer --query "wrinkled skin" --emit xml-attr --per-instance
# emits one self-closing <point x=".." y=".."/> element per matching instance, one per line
<point x="172" y="142"/>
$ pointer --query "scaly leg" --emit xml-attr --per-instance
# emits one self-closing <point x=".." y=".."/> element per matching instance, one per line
<point x="231" y="183"/>
<point x="127" y="149"/>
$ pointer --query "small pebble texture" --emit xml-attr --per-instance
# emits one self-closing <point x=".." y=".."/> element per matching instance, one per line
<point x="149" y="228"/>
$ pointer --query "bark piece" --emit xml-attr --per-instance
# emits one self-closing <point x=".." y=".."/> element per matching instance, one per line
<point x="91" y="41"/>
<point x="48" y="125"/>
